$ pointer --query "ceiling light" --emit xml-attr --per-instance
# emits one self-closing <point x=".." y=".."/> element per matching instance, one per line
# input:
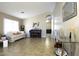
<point x="22" y="12"/>
<point x="49" y="17"/>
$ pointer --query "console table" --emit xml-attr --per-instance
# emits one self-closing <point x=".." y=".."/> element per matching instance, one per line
<point x="35" y="33"/>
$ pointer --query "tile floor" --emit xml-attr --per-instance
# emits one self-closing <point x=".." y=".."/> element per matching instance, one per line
<point x="29" y="47"/>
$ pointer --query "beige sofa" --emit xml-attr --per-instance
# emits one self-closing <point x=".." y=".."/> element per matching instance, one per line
<point x="12" y="37"/>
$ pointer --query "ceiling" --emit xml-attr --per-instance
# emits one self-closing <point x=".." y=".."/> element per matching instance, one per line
<point x="30" y="9"/>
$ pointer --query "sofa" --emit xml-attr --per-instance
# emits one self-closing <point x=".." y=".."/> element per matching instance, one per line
<point x="13" y="36"/>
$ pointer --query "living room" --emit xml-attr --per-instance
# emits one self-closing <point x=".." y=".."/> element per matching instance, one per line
<point x="28" y="28"/>
<point x="39" y="18"/>
<point x="19" y="22"/>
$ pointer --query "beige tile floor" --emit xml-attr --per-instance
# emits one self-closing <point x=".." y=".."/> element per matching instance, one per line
<point x="29" y="47"/>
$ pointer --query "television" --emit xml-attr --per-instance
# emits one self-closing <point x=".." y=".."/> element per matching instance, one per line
<point x="48" y="31"/>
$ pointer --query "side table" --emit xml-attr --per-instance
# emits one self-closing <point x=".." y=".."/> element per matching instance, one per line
<point x="5" y="43"/>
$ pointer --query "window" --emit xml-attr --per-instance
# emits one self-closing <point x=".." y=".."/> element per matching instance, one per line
<point x="10" y="25"/>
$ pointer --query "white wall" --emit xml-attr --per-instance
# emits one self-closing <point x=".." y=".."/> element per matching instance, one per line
<point x="42" y="23"/>
<point x="72" y="25"/>
<point x="57" y="17"/>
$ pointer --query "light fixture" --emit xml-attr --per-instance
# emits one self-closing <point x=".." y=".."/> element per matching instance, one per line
<point x="22" y="12"/>
<point x="49" y="17"/>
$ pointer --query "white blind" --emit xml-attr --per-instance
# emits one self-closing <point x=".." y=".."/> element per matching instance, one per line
<point x="10" y="25"/>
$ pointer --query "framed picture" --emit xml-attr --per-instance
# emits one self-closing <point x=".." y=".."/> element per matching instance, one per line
<point x="69" y="10"/>
<point x="35" y="24"/>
